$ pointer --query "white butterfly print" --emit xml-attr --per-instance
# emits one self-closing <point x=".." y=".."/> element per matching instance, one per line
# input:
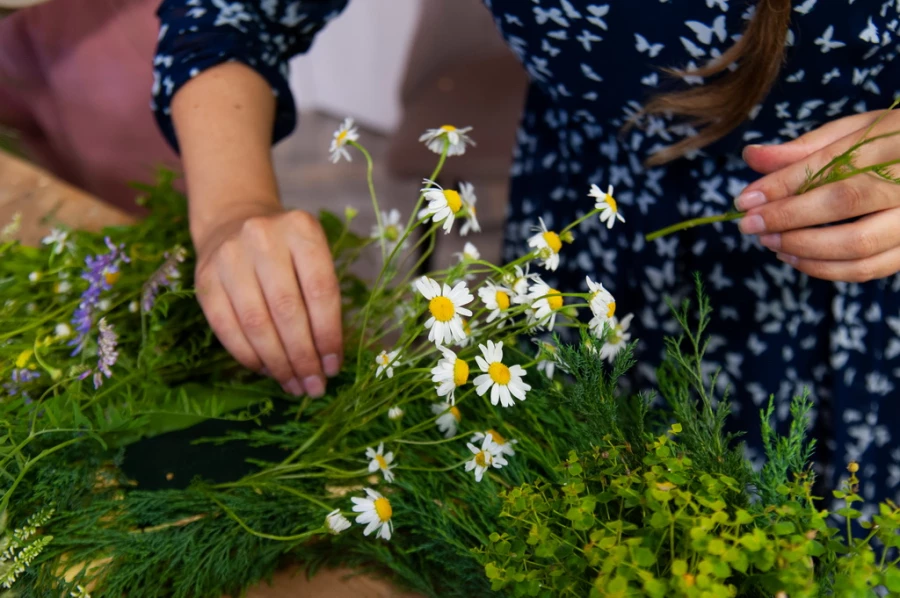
<point x="807" y="6"/>
<point x="587" y="38"/>
<point x="643" y="45"/>
<point x="693" y="49"/>
<point x="597" y="14"/>
<point x="705" y="32"/>
<point x="827" y="42"/>
<point x="541" y="16"/>
<point x="570" y="10"/>
<point x="870" y="33"/>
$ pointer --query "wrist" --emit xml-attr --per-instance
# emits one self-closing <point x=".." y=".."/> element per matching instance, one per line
<point x="209" y="217"/>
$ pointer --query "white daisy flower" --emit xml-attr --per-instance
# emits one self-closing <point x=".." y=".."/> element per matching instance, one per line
<point x="444" y="205"/>
<point x="376" y="512"/>
<point x="609" y="209"/>
<point x="62" y="330"/>
<point x="450" y="373"/>
<point x="446" y="308"/>
<point x="434" y="139"/>
<point x="59" y="239"/>
<point x="501" y="444"/>
<point x="519" y="281"/>
<point x="467" y="328"/>
<point x="395" y="413"/>
<point x="104" y="305"/>
<point x="345" y="133"/>
<point x="469" y="253"/>
<point x="378" y="460"/>
<point x="386" y="362"/>
<point x="391" y="230"/>
<point x="603" y="304"/>
<point x="62" y="287"/>
<point x="449" y="418"/>
<point x="496" y="298"/>
<point x="548" y="245"/>
<point x="486" y="457"/>
<point x="133" y="307"/>
<point x="617" y="339"/>
<point x="467" y="191"/>
<point x="336" y="523"/>
<point x="548" y="366"/>
<point x="34" y="276"/>
<point x="504" y="382"/>
<point x="545" y="302"/>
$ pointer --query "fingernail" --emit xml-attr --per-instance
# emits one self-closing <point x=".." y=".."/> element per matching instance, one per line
<point x="788" y="259"/>
<point x="294" y="387"/>
<point x="772" y="241"/>
<point x="331" y="364"/>
<point x="314" y="386"/>
<point x="749" y="200"/>
<point x="752" y="225"/>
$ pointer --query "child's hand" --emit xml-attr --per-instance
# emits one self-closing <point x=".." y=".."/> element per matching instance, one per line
<point x="789" y="224"/>
<point x="265" y="280"/>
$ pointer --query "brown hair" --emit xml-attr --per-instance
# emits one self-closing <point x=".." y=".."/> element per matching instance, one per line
<point x="719" y="106"/>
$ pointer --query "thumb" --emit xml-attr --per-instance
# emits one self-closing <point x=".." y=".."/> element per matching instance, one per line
<point x="766" y="159"/>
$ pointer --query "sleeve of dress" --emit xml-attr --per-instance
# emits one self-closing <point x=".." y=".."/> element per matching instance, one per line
<point x="263" y="34"/>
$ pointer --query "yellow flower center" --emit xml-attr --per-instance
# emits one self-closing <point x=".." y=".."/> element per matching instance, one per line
<point x="499" y="373"/>
<point x="454" y="411"/>
<point x="611" y="203"/>
<point x="441" y="308"/>
<point x="391" y="233"/>
<point x="554" y="299"/>
<point x="502" y="300"/>
<point x="381" y="462"/>
<point x="383" y="509"/>
<point x="384" y="359"/>
<point x="466" y="328"/>
<point x="553" y="241"/>
<point x="495" y="435"/>
<point x="111" y="277"/>
<point x="341" y="136"/>
<point x="454" y="201"/>
<point x="448" y="128"/>
<point x="482" y="459"/>
<point x="460" y="372"/>
<point x="611" y="310"/>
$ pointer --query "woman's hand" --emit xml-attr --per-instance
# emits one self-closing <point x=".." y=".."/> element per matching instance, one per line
<point x="864" y="249"/>
<point x="266" y="283"/>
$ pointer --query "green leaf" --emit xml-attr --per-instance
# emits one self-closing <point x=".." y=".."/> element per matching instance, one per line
<point x="644" y="557"/>
<point x="892" y="579"/>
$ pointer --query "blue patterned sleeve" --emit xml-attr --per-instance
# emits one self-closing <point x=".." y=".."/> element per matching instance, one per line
<point x="263" y="34"/>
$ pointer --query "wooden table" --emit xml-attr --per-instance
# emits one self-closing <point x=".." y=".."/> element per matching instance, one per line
<point x="42" y="199"/>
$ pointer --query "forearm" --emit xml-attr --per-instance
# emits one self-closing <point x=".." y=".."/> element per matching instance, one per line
<point x="223" y="119"/>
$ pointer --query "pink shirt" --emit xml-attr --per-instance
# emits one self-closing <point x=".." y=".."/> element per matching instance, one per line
<point x="75" y="80"/>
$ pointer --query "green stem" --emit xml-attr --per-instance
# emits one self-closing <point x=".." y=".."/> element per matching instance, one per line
<point x="692" y="223"/>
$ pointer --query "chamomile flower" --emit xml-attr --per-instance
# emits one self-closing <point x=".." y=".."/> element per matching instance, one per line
<point x="467" y="328"/>
<point x="496" y="298"/>
<point x="467" y="192"/>
<point x="62" y="330"/>
<point x="375" y="511"/>
<point x="62" y="287"/>
<point x="34" y="276"/>
<point x="446" y="308"/>
<point x="386" y="362"/>
<point x="603" y="304"/>
<point x="518" y="281"/>
<point x="504" y="382"/>
<point x="133" y="307"/>
<point x="395" y="413"/>
<point x="503" y="446"/>
<point x="345" y="133"/>
<point x="336" y="523"/>
<point x="448" y="420"/>
<point x="444" y="205"/>
<point x="59" y="239"/>
<point x="450" y="373"/>
<point x="545" y="302"/>
<point x="617" y="339"/>
<point x="435" y="139"/>
<point x="484" y="458"/>
<point x="378" y="460"/>
<point x="469" y="253"/>
<point x="548" y="366"/>
<point x="609" y="209"/>
<point x="548" y="245"/>
<point x="391" y="230"/>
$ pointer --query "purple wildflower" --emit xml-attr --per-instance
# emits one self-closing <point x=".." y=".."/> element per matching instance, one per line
<point x="165" y="277"/>
<point x="106" y="352"/>
<point x="101" y="272"/>
<point x="18" y="378"/>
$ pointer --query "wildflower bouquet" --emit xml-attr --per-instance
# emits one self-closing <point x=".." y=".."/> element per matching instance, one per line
<point x="464" y="449"/>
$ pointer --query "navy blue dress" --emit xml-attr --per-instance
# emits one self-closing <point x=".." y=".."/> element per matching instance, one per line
<point x="592" y="65"/>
